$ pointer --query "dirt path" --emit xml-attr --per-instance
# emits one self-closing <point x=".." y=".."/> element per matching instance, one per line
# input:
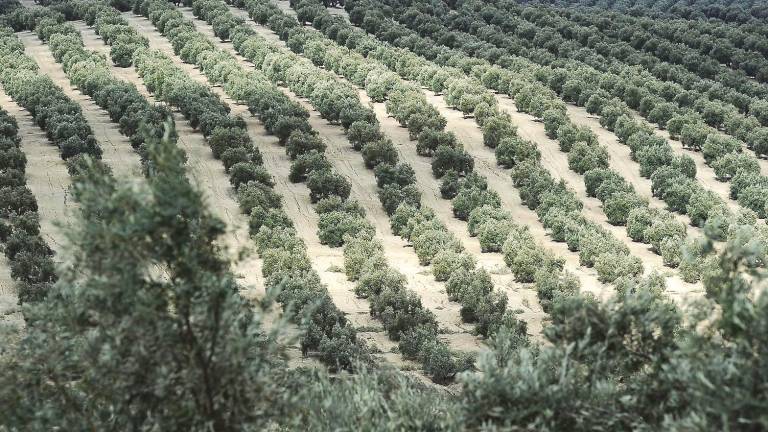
<point x="350" y="164"/>
<point x="325" y="260"/>
<point x="705" y="175"/>
<point x="621" y="161"/>
<point x="205" y="172"/>
<point x="521" y="296"/>
<point x="557" y="164"/>
<point x="9" y="299"/>
<point x="48" y="179"/>
<point x="118" y="153"/>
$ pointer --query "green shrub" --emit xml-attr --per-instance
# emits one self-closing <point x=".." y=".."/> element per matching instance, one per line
<point x="618" y="206"/>
<point x="611" y="266"/>
<point x="300" y="143"/>
<point x="595" y="177"/>
<point x="248" y="172"/>
<point x="361" y="133"/>
<point x="550" y="285"/>
<point x="267" y="217"/>
<point x="433" y="241"/>
<point x="378" y="152"/>
<point x="306" y="164"/>
<point x="400" y="174"/>
<point x="232" y="156"/>
<point x="430" y="139"/>
<point x="393" y="195"/>
<point x="463" y="281"/>
<point x="497" y="128"/>
<point x="445" y="263"/>
<point x="333" y="227"/>
<point x="493" y="234"/>
<point x="412" y="341"/>
<point x="584" y="157"/>
<point x="664" y="228"/>
<point x="468" y="199"/>
<point x="513" y="150"/>
<point x="451" y="158"/>
<point x="638" y="222"/>
<point x="334" y="203"/>
<point x="255" y="194"/>
<point x="480" y="215"/>
<point x="438" y="361"/>
<point x="324" y="184"/>
<point x="362" y="255"/>
<point x="449" y="184"/>
<point x="594" y="242"/>
<point x="222" y="139"/>
<point x="730" y="164"/>
<point x="377" y="281"/>
<point x="524" y="257"/>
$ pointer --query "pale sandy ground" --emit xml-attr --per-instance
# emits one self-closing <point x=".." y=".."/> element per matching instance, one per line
<point x="350" y="164"/>
<point x="47" y="177"/>
<point x="118" y="153"/>
<point x="556" y="162"/>
<point x="325" y="260"/>
<point x="48" y="180"/>
<point x="209" y="177"/>
<point x="522" y="297"/>
<point x="622" y="162"/>
<point x="704" y="174"/>
<point x="204" y="170"/>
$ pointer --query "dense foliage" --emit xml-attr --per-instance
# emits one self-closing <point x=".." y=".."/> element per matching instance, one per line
<point x="29" y="256"/>
<point x="167" y="343"/>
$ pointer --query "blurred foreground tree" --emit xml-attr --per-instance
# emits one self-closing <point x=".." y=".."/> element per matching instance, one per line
<point x="145" y="330"/>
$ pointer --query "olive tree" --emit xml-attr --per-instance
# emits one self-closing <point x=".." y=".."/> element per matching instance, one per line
<point x="451" y="158"/>
<point x="513" y="150"/>
<point x="325" y="183"/>
<point x="664" y="228"/>
<point x="299" y="143"/>
<point x="480" y="215"/>
<point x="611" y="266"/>
<point x="430" y="139"/>
<point x="618" y="206"/>
<point x="379" y="151"/>
<point x="497" y="128"/>
<point x="470" y="198"/>
<point x="552" y="285"/>
<point x="333" y="227"/>
<point x="433" y="241"/>
<point x="306" y="164"/>
<point x="445" y="263"/>
<point x="584" y="157"/>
